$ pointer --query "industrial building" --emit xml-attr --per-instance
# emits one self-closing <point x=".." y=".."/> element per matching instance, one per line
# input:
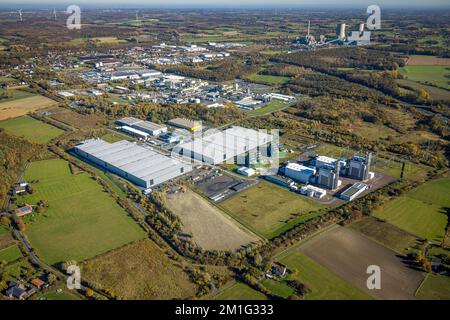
<point x="248" y="172"/>
<point x="216" y="147"/>
<point x="151" y="128"/>
<point x="355" y="190"/>
<point x="328" y="177"/>
<point x="284" y="182"/>
<point x="141" y="165"/>
<point x="299" y="173"/>
<point x="134" y="132"/>
<point x="190" y="125"/>
<point x="359" y="167"/>
<point x="313" y="192"/>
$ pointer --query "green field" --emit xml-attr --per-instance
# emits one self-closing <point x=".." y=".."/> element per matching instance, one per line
<point x="112" y="137"/>
<point x="437" y="75"/>
<point x="269" y="209"/>
<point x="324" y="284"/>
<point x="269" y="108"/>
<point x="10" y="254"/>
<point x="15" y="94"/>
<point x="30" y="129"/>
<point x="3" y="230"/>
<point x="421" y="211"/>
<point x="435" y="287"/>
<point x="63" y="295"/>
<point x="278" y="288"/>
<point x="386" y="234"/>
<point x="82" y="220"/>
<point x="240" y="291"/>
<point x="268" y="79"/>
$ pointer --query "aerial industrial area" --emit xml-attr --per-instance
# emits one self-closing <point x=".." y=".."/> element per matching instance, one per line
<point x="224" y="155"/>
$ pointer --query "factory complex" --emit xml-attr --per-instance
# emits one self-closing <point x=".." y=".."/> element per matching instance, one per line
<point x="141" y="165"/>
<point x="216" y="147"/>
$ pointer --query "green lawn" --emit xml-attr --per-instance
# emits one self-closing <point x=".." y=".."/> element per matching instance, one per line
<point x="278" y="288"/>
<point x="63" y="295"/>
<point x="435" y="287"/>
<point x="240" y="291"/>
<point x="421" y="211"/>
<point x="437" y="75"/>
<point x="30" y="129"/>
<point x="82" y="220"/>
<point x="324" y="284"/>
<point x="269" y="108"/>
<point x="10" y="254"/>
<point x="386" y="234"/>
<point x="269" y="209"/>
<point x="112" y="137"/>
<point x="3" y="230"/>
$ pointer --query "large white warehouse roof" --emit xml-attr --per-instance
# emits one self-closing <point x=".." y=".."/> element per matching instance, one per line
<point x="139" y="164"/>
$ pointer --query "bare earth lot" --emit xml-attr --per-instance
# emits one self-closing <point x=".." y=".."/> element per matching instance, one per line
<point x="16" y="108"/>
<point x="348" y="254"/>
<point x="419" y="60"/>
<point x="211" y="229"/>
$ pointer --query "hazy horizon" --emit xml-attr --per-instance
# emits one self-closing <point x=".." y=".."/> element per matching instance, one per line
<point x="117" y="4"/>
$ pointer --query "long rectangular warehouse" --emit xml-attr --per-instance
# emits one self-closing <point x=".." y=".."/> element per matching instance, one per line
<point x="220" y="146"/>
<point x="140" y="165"/>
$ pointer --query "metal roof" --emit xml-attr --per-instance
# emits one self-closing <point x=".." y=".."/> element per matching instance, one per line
<point x="136" y="160"/>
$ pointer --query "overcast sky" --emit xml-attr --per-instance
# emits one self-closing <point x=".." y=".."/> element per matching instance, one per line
<point x="229" y="3"/>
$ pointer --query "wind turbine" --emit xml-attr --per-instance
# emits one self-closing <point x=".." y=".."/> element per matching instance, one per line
<point x="20" y="15"/>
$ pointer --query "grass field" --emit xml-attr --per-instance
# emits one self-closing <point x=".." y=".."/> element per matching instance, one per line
<point x="112" y="137"/>
<point x="3" y="230"/>
<point x="437" y="75"/>
<point x="240" y="291"/>
<point x="268" y="79"/>
<point x="387" y="234"/>
<point x="269" y="108"/>
<point x="62" y="296"/>
<point x="278" y="288"/>
<point x="139" y="271"/>
<point x="269" y="209"/>
<point x="435" y="93"/>
<point x="421" y="211"/>
<point x="324" y="284"/>
<point x="30" y="129"/>
<point x="82" y="220"/>
<point x="19" y="107"/>
<point x="435" y="287"/>
<point x="15" y="94"/>
<point x="10" y="254"/>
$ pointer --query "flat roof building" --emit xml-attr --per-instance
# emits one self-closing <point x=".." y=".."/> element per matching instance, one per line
<point x="141" y="165"/>
<point x="355" y="190"/>
<point x="299" y="172"/>
<point x="148" y="127"/>
<point x="190" y="125"/>
<point x="219" y="146"/>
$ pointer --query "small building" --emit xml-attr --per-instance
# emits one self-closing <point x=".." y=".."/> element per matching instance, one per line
<point x="241" y="186"/>
<point x="313" y="192"/>
<point x="23" y="211"/>
<point x="355" y="190"/>
<point x="134" y="132"/>
<point x="248" y="172"/>
<point x="20" y="189"/>
<point x="190" y="125"/>
<point x="299" y="172"/>
<point x="278" y="270"/>
<point x="38" y="283"/>
<point x="435" y="263"/>
<point x="65" y="94"/>
<point x="280" y="181"/>
<point x="17" y="290"/>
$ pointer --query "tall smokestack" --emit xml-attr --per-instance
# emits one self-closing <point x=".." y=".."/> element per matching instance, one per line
<point x="340" y="31"/>
<point x="309" y="27"/>
<point x="361" y="28"/>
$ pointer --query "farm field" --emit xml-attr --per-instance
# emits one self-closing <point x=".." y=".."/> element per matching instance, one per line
<point x="153" y="275"/>
<point x="435" y="93"/>
<point x="62" y="296"/>
<point x="422" y="60"/>
<point x="324" y="284"/>
<point x="81" y="220"/>
<point x="347" y="253"/>
<point x="435" y="287"/>
<point x="270" y="209"/>
<point x="421" y="211"/>
<point x="211" y="228"/>
<point x="386" y="234"/>
<point x="75" y="119"/>
<point x="10" y="254"/>
<point x="269" y="108"/>
<point x="20" y="107"/>
<point x="30" y="129"/>
<point x="437" y="75"/>
<point x="15" y="94"/>
<point x="240" y="291"/>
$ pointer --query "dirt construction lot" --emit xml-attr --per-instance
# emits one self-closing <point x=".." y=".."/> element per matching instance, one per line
<point x="348" y="254"/>
<point x="211" y="229"/>
<point x="16" y="108"/>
